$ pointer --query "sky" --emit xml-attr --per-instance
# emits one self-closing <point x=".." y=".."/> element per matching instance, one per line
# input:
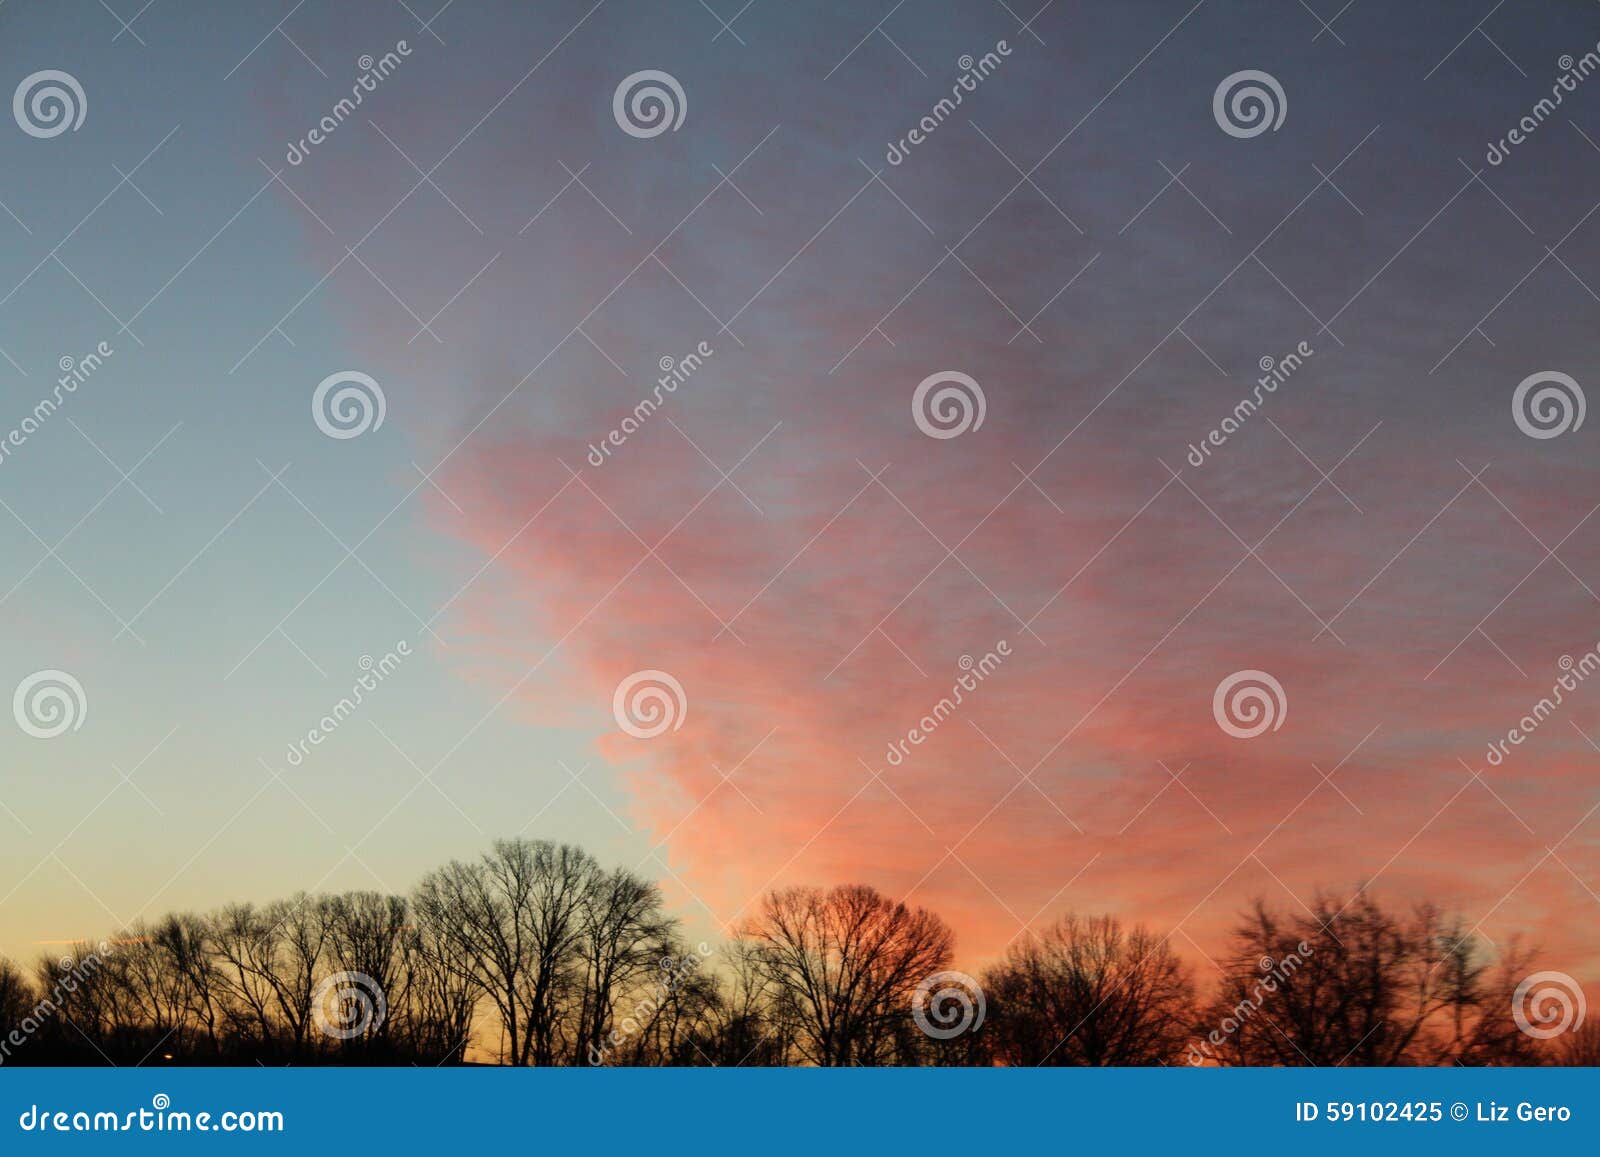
<point x="511" y="253"/>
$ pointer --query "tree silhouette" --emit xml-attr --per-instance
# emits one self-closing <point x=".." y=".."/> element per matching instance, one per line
<point x="1351" y="983"/>
<point x="842" y="965"/>
<point x="534" y="954"/>
<point x="623" y="934"/>
<point x="1084" y="992"/>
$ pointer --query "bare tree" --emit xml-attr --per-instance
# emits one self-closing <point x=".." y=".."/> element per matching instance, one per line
<point x="671" y="1018"/>
<point x="754" y="1028"/>
<point x="84" y="1011"/>
<point x="367" y="935"/>
<point x="303" y="926"/>
<point x="244" y="944"/>
<point x="444" y="996"/>
<point x="1084" y="992"/>
<point x="159" y="1000"/>
<point x="700" y="1012"/>
<point x="513" y="919"/>
<point x="185" y="943"/>
<point x="1351" y="983"/>
<point x="17" y="1001"/>
<point x="843" y="965"/>
<point x="624" y="936"/>
<point x="270" y="960"/>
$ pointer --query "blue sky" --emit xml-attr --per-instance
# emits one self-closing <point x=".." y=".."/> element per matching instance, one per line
<point x="210" y="687"/>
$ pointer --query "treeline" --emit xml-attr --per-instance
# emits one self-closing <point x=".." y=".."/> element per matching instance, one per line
<point x="534" y="954"/>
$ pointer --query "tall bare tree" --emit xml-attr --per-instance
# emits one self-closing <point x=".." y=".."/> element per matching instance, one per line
<point x="514" y="919"/>
<point x="843" y="964"/>
<point x="623" y="937"/>
<point x="270" y="960"/>
<point x="367" y="935"/>
<point x="186" y="946"/>
<point x="443" y="996"/>
<point x="1086" y="992"/>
